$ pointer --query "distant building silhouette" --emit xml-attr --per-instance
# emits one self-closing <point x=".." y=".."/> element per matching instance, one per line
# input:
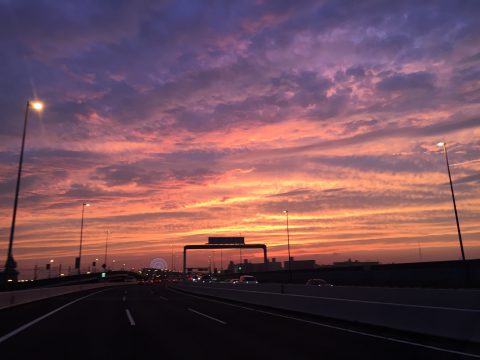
<point x="300" y="264"/>
<point x="246" y="267"/>
<point x="355" y="263"/>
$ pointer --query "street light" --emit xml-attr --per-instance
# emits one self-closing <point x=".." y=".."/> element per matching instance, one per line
<point x="10" y="273"/>
<point x="444" y="146"/>
<point x="49" y="266"/>
<point x="79" y="259"/>
<point x="37" y="105"/>
<point x="94" y="265"/>
<point x="288" y="246"/>
<point x="106" y="248"/>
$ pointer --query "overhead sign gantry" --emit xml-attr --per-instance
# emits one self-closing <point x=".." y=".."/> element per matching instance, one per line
<point x="223" y="243"/>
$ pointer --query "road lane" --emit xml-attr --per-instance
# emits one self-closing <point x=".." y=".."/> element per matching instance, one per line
<point x="349" y="336"/>
<point x="16" y="316"/>
<point x="99" y="327"/>
<point x="43" y="317"/>
<point x="84" y="330"/>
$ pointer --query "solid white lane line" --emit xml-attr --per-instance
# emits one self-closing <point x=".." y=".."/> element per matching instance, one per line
<point x="163" y="298"/>
<point x="436" y="348"/>
<point x="364" y="301"/>
<point x="26" y="326"/>
<point x="387" y="303"/>
<point x="373" y="335"/>
<point x="207" y="316"/>
<point x="130" y="318"/>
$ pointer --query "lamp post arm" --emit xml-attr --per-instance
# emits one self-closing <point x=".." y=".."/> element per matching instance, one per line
<point x="106" y="247"/>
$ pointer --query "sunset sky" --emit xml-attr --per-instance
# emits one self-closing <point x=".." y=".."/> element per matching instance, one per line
<point x="179" y="120"/>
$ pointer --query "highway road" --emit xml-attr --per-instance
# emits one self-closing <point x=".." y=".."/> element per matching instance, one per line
<point x="154" y="321"/>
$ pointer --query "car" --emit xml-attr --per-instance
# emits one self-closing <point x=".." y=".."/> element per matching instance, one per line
<point x="247" y="279"/>
<point x="206" y="279"/>
<point x="318" y="282"/>
<point x="233" y="281"/>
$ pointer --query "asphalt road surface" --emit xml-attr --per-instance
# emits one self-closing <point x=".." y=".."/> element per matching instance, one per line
<point x="157" y="322"/>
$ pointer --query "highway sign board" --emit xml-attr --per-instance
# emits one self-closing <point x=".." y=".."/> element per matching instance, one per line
<point x="219" y="240"/>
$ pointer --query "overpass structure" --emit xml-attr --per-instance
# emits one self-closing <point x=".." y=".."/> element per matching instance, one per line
<point x="223" y="243"/>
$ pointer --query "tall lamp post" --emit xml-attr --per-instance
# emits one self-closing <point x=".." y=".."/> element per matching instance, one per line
<point x="10" y="273"/>
<point x="79" y="259"/>
<point x="288" y="247"/>
<point x="171" y="265"/>
<point x="444" y="146"/>
<point x="106" y="248"/>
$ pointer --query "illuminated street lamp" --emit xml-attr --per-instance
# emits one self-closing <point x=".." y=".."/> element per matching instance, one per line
<point x="444" y="146"/>
<point x="79" y="258"/>
<point x="50" y="268"/>
<point x="37" y="105"/>
<point x="10" y="273"/>
<point x="288" y="247"/>
<point x="94" y="265"/>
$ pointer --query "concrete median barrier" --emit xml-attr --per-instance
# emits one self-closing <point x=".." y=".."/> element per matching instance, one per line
<point x="13" y="298"/>
<point x="450" y="319"/>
